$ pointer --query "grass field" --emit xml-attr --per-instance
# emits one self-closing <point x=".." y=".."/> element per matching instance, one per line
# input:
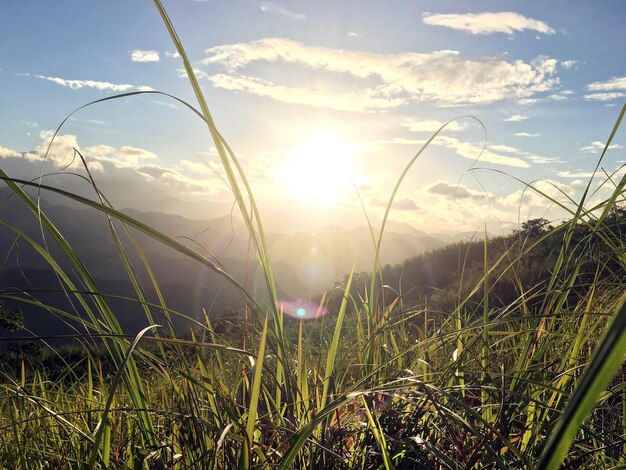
<point x="375" y="383"/>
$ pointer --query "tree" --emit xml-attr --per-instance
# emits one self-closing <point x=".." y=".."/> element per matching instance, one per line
<point x="10" y="319"/>
<point x="535" y="227"/>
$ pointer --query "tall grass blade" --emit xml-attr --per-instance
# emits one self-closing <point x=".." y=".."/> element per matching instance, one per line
<point x="102" y="425"/>
<point x="255" y="394"/>
<point x="605" y="363"/>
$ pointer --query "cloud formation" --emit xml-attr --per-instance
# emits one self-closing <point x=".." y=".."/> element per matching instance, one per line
<point x="568" y="64"/>
<point x="608" y="90"/>
<point x="507" y="22"/>
<point x="78" y="84"/>
<point x="615" y="83"/>
<point x="516" y="118"/>
<point x="358" y="101"/>
<point x="431" y="125"/>
<point x="492" y="154"/>
<point x="403" y="204"/>
<point x="8" y="153"/>
<point x="132" y="164"/>
<point x="139" y="55"/>
<point x="597" y="146"/>
<point x="445" y="77"/>
<point x="271" y="7"/>
<point x="122" y="157"/>
<point x="526" y="134"/>
<point x="456" y="191"/>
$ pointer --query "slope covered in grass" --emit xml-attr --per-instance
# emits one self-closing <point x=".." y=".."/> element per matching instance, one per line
<point x="520" y="378"/>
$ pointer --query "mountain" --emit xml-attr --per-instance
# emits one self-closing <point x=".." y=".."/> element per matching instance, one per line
<point x="304" y="263"/>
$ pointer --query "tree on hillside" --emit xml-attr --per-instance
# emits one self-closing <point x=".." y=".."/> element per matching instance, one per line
<point x="10" y="319"/>
<point x="535" y="227"/>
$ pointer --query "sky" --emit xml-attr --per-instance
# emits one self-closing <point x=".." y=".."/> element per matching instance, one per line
<point x="324" y="104"/>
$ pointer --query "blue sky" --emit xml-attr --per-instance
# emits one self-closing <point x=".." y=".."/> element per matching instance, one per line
<point x="319" y="97"/>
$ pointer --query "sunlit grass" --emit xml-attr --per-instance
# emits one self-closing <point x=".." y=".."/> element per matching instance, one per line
<point x="377" y="383"/>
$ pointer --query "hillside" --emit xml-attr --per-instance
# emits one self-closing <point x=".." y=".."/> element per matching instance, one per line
<point x="521" y="265"/>
<point x="304" y="263"/>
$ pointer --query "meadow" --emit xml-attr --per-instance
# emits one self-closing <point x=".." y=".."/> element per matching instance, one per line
<point x="380" y="381"/>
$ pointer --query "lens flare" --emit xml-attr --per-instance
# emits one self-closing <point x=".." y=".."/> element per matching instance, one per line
<point x="302" y="309"/>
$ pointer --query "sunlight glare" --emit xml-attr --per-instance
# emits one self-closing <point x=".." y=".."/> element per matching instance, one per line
<point x="321" y="170"/>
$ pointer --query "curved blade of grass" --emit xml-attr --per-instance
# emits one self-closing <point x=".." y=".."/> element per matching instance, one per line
<point x="332" y="350"/>
<point x="254" y="399"/>
<point x="251" y="216"/>
<point x="109" y="320"/>
<point x="116" y="380"/>
<point x="243" y="193"/>
<point x="396" y="188"/>
<point x="124" y="257"/>
<point x="19" y="391"/>
<point x="379" y="436"/>
<point x="164" y="239"/>
<point x="303" y="433"/>
<point x="604" y="365"/>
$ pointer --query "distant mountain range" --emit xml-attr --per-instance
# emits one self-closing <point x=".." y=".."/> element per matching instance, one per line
<point x="304" y="263"/>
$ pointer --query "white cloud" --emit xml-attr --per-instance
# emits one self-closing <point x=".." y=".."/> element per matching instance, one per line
<point x="271" y="7"/>
<point x="97" y="122"/>
<point x="8" y="153"/>
<point x="604" y="96"/>
<point x="173" y="55"/>
<point x="528" y="198"/>
<point x="525" y="134"/>
<point x="396" y="141"/>
<point x="528" y="101"/>
<point x="615" y="83"/>
<point x="200" y="168"/>
<point x="445" y="77"/>
<point x="503" y="148"/>
<point x="356" y="101"/>
<point x="138" y="55"/>
<point x="516" y="118"/>
<point x="353" y="34"/>
<point x="579" y="174"/>
<point x="540" y="158"/>
<point x="507" y="22"/>
<point x="556" y="97"/>
<point x="431" y="125"/>
<point x="61" y="152"/>
<point x="404" y="204"/>
<point x="457" y="191"/>
<point x="492" y="154"/>
<point x="568" y="64"/>
<point x="78" y="84"/>
<point x="115" y="164"/>
<point x="607" y="90"/>
<point x="562" y="95"/>
<point x="125" y="156"/>
<point x="155" y="171"/>
<point x="597" y="146"/>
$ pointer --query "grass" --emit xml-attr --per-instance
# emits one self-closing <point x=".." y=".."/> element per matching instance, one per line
<point x="376" y="384"/>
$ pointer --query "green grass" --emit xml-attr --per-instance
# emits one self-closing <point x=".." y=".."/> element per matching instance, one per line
<point x="376" y="384"/>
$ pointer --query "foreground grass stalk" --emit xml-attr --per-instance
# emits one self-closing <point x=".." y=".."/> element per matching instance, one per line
<point x="605" y="363"/>
<point x="373" y="385"/>
<point x="485" y="340"/>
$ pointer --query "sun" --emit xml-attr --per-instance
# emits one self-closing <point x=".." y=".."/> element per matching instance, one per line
<point x="321" y="170"/>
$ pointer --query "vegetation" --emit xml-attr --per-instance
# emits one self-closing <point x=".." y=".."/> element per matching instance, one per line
<point x="510" y="361"/>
